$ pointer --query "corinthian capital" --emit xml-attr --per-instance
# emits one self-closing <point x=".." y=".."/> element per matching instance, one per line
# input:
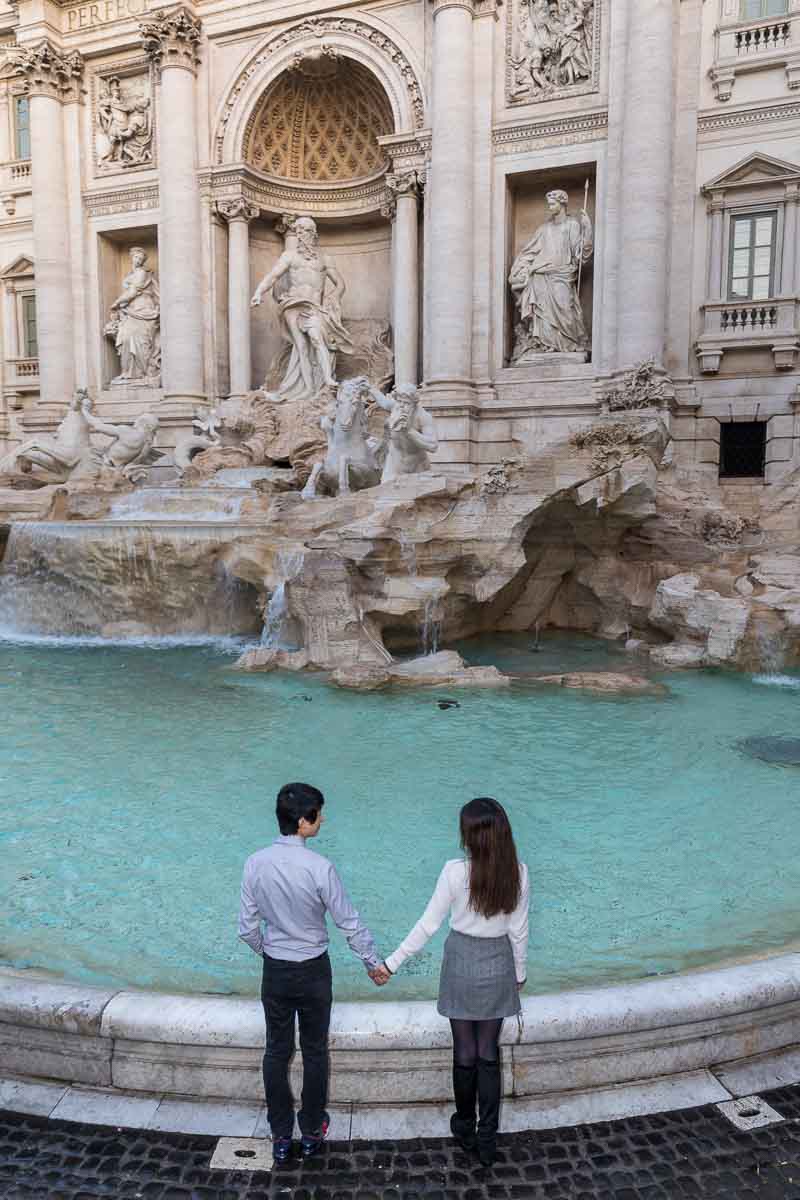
<point x="477" y="8"/>
<point x="48" y="71"/>
<point x="238" y="209"/>
<point x="407" y="183"/>
<point x="171" y="38"/>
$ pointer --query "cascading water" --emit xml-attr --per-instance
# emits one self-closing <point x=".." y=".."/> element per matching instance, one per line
<point x="277" y="633"/>
<point x="113" y="581"/>
<point x="431" y="626"/>
<point x="181" y="505"/>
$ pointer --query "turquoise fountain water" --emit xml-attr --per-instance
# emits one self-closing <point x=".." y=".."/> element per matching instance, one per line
<point x="134" y="781"/>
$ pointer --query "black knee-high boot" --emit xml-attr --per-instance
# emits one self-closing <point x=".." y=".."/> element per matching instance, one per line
<point x="489" y="1092"/>
<point x="465" y="1089"/>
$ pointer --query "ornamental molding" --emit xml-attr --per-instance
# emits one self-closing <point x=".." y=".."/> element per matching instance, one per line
<point x="237" y="209"/>
<point x="530" y="135"/>
<point x="333" y="33"/>
<point x="407" y="153"/>
<point x="275" y="196"/>
<point x="714" y="120"/>
<point x="46" y="71"/>
<point x="171" y="38"/>
<point x="121" y="200"/>
<point x="532" y="55"/>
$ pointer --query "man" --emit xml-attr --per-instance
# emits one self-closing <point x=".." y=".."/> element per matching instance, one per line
<point x="544" y="281"/>
<point x="312" y="319"/>
<point x="290" y="888"/>
<point x="410" y="433"/>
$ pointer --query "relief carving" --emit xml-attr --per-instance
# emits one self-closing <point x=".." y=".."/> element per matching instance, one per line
<point x="552" y="48"/>
<point x="124" y="123"/>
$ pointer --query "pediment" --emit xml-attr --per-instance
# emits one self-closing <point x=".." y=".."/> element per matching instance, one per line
<point x="757" y="169"/>
<point x="21" y="268"/>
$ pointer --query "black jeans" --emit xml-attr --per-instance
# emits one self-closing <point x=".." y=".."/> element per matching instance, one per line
<point x="305" y="989"/>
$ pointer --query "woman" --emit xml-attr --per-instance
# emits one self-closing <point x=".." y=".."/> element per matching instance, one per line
<point x="484" y="963"/>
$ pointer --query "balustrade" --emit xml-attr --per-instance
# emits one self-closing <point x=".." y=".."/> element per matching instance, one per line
<point x="762" y="37"/>
<point x="748" y="317"/>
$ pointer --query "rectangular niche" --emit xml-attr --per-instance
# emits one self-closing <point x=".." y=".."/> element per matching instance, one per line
<point x="360" y="250"/>
<point x="114" y="250"/>
<point x="527" y="213"/>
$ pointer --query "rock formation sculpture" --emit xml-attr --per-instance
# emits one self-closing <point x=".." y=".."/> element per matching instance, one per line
<point x="410" y="433"/>
<point x="53" y="458"/>
<point x="350" y="461"/>
<point x="135" y="325"/>
<point x="308" y="290"/>
<point x="544" y="280"/>
<point x="124" y="120"/>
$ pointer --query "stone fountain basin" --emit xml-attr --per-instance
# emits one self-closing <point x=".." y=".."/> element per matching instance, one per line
<point x="679" y="1039"/>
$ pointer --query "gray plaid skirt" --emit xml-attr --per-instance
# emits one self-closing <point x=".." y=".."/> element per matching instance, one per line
<point x="478" y="980"/>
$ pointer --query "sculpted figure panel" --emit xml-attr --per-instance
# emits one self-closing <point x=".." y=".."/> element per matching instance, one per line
<point x="308" y="291"/>
<point x="552" y="47"/>
<point x="545" y="282"/>
<point x="125" y="125"/>
<point x="135" y="325"/>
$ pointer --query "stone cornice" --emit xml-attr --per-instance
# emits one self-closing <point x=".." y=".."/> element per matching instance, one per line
<point x="171" y="38"/>
<point x="47" y="71"/>
<point x="122" y="200"/>
<point x="712" y="120"/>
<point x="476" y="8"/>
<point x="583" y="127"/>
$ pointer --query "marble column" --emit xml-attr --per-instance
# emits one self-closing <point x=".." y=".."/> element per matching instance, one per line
<point x="647" y="175"/>
<point x="449" y="202"/>
<point x="239" y="213"/>
<point x="404" y="190"/>
<point x="51" y="78"/>
<point x="171" y="39"/>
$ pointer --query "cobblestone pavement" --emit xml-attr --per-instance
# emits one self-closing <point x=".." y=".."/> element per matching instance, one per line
<point x="676" y="1156"/>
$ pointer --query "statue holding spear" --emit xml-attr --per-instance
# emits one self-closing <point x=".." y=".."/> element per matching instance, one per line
<point x="546" y="279"/>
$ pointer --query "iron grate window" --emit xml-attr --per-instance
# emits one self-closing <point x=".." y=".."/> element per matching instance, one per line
<point x="742" y="449"/>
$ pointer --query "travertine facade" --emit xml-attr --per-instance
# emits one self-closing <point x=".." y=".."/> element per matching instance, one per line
<point x="424" y="137"/>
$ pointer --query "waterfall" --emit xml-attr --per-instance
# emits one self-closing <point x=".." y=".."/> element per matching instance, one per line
<point x="431" y="626"/>
<point x="182" y="505"/>
<point x="121" y="582"/>
<point x="277" y="632"/>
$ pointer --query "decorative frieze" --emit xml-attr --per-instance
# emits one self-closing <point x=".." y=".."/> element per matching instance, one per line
<point x="47" y="71"/>
<point x="122" y="200"/>
<point x="171" y="38"/>
<point x="553" y="49"/>
<point x="531" y="135"/>
<point x="123" y="114"/>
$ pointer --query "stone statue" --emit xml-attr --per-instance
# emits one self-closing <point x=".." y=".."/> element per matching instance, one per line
<point x="131" y="445"/>
<point x="126" y="123"/>
<point x="135" y="325"/>
<point x="410" y="433"/>
<point x="53" y="458"/>
<point x="544" y="280"/>
<point x="351" y="461"/>
<point x="308" y="290"/>
<point x="554" y="47"/>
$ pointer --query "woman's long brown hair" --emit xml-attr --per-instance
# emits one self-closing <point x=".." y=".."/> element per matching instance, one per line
<point x="487" y="840"/>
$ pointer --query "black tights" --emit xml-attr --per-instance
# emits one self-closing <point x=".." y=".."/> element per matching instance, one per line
<point x="475" y="1039"/>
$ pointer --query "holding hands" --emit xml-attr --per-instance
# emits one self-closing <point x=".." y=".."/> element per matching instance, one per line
<point x="380" y="975"/>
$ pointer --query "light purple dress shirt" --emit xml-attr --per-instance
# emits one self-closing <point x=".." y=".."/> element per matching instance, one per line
<point x="290" y="889"/>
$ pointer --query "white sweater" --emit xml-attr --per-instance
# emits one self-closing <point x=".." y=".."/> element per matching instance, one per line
<point x="452" y="895"/>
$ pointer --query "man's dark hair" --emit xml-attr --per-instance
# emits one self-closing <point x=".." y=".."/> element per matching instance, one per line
<point x="296" y="802"/>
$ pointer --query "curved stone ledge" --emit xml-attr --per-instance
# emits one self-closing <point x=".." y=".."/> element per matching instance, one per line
<point x="390" y="1052"/>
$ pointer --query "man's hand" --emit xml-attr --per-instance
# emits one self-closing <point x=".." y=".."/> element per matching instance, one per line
<point x="256" y="301"/>
<point x="380" y="975"/>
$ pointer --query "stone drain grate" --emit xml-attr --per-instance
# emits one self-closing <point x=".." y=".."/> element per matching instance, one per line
<point x="242" y="1154"/>
<point x="750" y="1112"/>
